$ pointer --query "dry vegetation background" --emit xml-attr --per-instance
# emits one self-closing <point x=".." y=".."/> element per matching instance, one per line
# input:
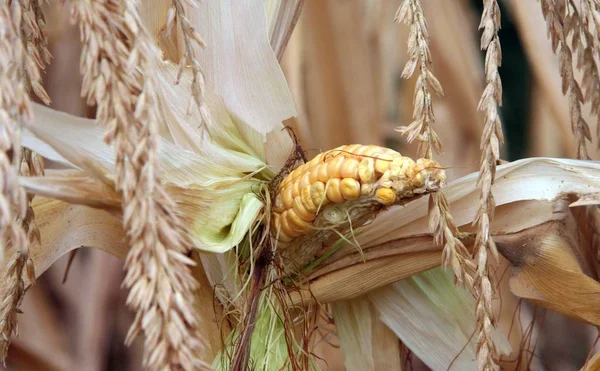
<point x="343" y="66"/>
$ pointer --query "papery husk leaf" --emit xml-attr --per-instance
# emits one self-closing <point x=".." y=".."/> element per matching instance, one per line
<point x="216" y="202"/>
<point x="239" y="63"/>
<point x="547" y="272"/>
<point x="593" y="364"/>
<point x="353" y="325"/>
<point x="281" y="19"/>
<point x="434" y="318"/>
<point x="65" y="227"/>
<point x="74" y="188"/>
<point x="527" y="179"/>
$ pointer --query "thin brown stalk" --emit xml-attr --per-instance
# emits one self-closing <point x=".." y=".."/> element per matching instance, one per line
<point x="491" y="140"/>
<point x="191" y="38"/>
<point x="17" y="230"/>
<point x="441" y="222"/>
<point x="119" y="76"/>
<point x="558" y="15"/>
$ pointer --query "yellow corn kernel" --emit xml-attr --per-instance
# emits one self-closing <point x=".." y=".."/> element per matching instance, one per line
<point x="307" y="201"/>
<point x="334" y="166"/>
<point x="304" y="180"/>
<point x="301" y="211"/>
<point x="350" y="188"/>
<point x="385" y="196"/>
<point x="314" y="174"/>
<point x="296" y="188"/>
<point x="278" y="204"/>
<point x="317" y="194"/>
<point x="323" y="175"/>
<point x="285" y="226"/>
<point x="350" y="150"/>
<point x="333" y="191"/>
<point x="383" y="163"/>
<point x="350" y="168"/>
<point x="287" y="197"/>
<point x="296" y="222"/>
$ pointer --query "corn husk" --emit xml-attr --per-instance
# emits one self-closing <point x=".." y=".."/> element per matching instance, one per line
<point x="434" y="318"/>
<point x="397" y="245"/>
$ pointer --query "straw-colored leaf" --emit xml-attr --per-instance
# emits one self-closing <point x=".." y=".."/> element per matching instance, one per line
<point x="353" y="326"/>
<point x="434" y="318"/>
<point x="527" y="179"/>
<point x="66" y="227"/>
<point x="239" y="63"/>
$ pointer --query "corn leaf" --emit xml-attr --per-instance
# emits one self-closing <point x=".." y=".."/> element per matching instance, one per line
<point x="434" y="318"/>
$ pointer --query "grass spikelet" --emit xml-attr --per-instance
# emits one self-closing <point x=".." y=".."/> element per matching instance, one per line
<point x="191" y="38"/>
<point x="584" y="26"/>
<point x="559" y="17"/>
<point x="491" y="140"/>
<point x="17" y="229"/>
<point x="37" y="56"/>
<point x="441" y="222"/>
<point x="119" y="72"/>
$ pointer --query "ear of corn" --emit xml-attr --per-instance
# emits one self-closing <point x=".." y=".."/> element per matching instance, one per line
<point x="330" y="189"/>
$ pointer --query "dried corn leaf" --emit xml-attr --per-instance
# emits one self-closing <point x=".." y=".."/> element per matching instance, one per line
<point x="353" y="325"/>
<point x="434" y="318"/>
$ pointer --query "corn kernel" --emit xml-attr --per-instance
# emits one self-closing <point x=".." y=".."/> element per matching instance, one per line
<point x="350" y="168"/>
<point x="386" y="196"/>
<point x="301" y="211"/>
<point x="307" y="201"/>
<point x="366" y="170"/>
<point x="333" y="191"/>
<point x="350" y="188"/>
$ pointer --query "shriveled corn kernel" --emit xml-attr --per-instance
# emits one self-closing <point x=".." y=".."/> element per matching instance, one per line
<point x="307" y="201"/>
<point x="366" y="170"/>
<point x="350" y="168"/>
<point x="386" y="196"/>
<point x="333" y="191"/>
<point x="350" y="188"/>
<point x="301" y="211"/>
<point x="383" y="163"/>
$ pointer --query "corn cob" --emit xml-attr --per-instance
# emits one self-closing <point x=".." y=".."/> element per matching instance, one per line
<point x="348" y="182"/>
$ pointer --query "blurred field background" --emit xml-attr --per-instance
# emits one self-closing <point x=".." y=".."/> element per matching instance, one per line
<point x="343" y="65"/>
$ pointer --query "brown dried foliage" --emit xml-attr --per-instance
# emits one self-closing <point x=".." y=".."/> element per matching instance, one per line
<point x="119" y="70"/>
<point x="23" y="53"/>
<point x="441" y="222"/>
<point x="561" y="20"/>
